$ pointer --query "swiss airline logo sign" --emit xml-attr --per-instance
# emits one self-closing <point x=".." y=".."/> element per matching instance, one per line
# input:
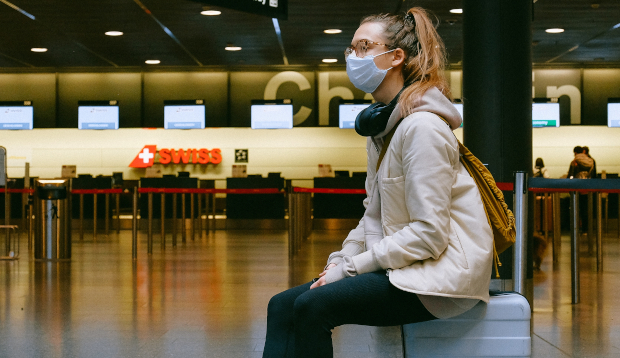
<point x="146" y="157"/>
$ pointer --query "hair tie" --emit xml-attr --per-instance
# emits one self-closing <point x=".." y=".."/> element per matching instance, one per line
<point x="410" y="19"/>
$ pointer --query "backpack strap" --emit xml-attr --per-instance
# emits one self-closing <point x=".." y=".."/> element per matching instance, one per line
<point x="386" y="143"/>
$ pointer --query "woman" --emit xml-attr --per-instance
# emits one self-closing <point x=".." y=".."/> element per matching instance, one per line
<point x="423" y="249"/>
<point x="540" y="170"/>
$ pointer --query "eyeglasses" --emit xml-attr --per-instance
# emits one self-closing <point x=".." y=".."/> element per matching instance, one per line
<point x="360" y="48"/>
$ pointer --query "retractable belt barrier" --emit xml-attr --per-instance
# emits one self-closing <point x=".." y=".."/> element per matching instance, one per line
<point x="209" y="194"/>
<point x="95" y="192"/>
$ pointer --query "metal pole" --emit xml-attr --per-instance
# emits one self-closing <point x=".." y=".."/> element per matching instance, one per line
<point x="618" y="216"/>
<point x="174" y="220"/>
<point x="599" y="232"/>
<point x="118" y="212"/>
<point x="134" y="225"/>
<point x="557" y="227"/>
<point x="7" y="217"/>
<point x="207" y="224"/>
<point x="150" y="227"/>
<point x="215" y="221"/>
<point x="291" y="224"/>
<point x="163" y="220"/>
<point x="545" y="210"/>
<point x="183" y="229"/>
<point x="199" y="198"/>
<point x="590" y="223"/>
<point x="574" y="248"/>
<point x="107" y="214"/>
<point x="95" y="217"/>
<point x="31" y="226"/>
<point x="191" y="213"/>
<point x="81" y="216"/>
<point x="520" y="248"/>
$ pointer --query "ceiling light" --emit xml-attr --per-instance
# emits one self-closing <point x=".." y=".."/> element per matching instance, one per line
<point x="456" y="11"/>
<point x="152" y="62"/>
<point x="554" y="31"/>
<point x="230" y="47"/>
<point x="330" y="60"/>
<point x="114" y="33"/>
<point x="332" y="31"/>
<point x="210" y="12"/>
<point x="38" y="49"/>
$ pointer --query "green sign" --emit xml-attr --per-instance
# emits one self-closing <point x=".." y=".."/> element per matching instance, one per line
<point x="544" y="123"/>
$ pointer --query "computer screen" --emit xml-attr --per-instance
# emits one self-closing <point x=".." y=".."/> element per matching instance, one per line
<point x="272" y="115"/>
<point x="98" y="116"/>
<point x="16" y="116"/>
<point x="347" y="113"/>
<point x="545" y="115"/>
<point x="184" y="116"/>
<point x="613" y="114"/>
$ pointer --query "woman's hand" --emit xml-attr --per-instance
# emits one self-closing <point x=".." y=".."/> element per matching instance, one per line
<point x="321" y="280"/>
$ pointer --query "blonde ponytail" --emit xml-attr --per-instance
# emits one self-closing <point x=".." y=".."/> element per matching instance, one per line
<point x="425" y="54"/>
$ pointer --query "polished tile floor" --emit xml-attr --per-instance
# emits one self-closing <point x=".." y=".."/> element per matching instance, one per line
<point x="208" y="298"/>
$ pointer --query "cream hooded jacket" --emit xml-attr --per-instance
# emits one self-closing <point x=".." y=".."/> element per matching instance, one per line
<point x="424" y="221"/>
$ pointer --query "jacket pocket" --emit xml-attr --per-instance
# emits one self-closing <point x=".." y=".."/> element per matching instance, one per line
<point x="393" y="201"/>
<point x="458" y="245"/>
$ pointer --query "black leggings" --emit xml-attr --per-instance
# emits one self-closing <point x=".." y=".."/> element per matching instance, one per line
<point x="300" y="320"/>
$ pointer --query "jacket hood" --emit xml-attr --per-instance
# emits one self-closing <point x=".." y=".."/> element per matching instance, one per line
<point x="432" y="101"/>
<point x="584" y="160"/>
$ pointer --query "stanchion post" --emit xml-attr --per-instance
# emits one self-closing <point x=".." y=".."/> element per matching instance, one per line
<point x="31" y="226"/>
<point x="618" y="216"/>
<point x="134" y="225"/>
<point x="520" y="247"/>
<point x="118" y="212"/>
<point x="545" y="211"/>
<point x="81" y="216"/>
<point x="207" y="226"/>
<point x="95" y="217"/>
<point x="213" y="201"/>
<point x="150" y="227"/>
<point x="557" y="227"/>
<point x="199" y="204"/>
<point x="591" y="223"/>
<point x="107" y="213"/>
<point x="163" y="221"/>
<point x="191" y="214"/>
<point x="599" y="232"/>
<point x="574" y="249"/>
<point x="174" y="220"/>
<point x="183" y="228"/>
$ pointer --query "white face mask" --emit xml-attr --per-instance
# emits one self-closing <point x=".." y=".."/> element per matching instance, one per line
<point x="364" y="73"/>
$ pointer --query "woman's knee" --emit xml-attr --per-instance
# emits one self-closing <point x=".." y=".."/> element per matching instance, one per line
<point x="308" y="307"/>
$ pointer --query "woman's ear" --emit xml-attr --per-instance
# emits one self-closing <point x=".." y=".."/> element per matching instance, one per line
<point x="399" y="57"/>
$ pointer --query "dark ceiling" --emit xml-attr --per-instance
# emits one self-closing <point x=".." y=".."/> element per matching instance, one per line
<point x="174" y="32"/>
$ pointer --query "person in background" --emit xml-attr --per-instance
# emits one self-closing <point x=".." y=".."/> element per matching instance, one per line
<point x="586" y="151"/>
<point x="582" y="167"/>
<point x="539" y="169"/>
<point x="424" y="248"/>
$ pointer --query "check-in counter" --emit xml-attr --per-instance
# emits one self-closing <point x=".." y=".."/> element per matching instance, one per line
<point x="255" y="206"/>
<point x="339" y="206"/>
<point x="169" y="181"/>
<point x="86" y="182"/>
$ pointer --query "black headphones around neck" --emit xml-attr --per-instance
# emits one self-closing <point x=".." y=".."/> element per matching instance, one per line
<point x="373" y="120"/>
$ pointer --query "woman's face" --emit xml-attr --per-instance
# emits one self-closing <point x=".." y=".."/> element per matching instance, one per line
<point x="373" y="31"/>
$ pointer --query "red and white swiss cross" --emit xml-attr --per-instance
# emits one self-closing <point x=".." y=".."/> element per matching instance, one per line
<point x="145" y="158"/>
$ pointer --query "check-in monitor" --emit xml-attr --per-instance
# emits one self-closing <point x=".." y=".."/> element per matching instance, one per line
<point x="348" y="111"/>
<point x="16" y="115"/>
<point x="545" y="113"/>
<point x="98" y="114"/>
<point x="184" y="114"/>
<point x="613" y="113"/>
<point x="276" y="114"/>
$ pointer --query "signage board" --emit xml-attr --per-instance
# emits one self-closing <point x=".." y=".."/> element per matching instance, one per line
<point x="16" y="115"/>
<point x="271" y="8"/>
<point x="348" y="111"/>
<point x="146" y="156"/>
<point x="68" y="171"/>
<point x="546" y="114"/>
<point x="277" y="114"/>
<point x="184" y="114"/>
<point x="613" y="113"/>
<point x="98" y="114"/>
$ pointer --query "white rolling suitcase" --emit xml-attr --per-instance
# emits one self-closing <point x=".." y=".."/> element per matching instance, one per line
<point x="498" y="329"/>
